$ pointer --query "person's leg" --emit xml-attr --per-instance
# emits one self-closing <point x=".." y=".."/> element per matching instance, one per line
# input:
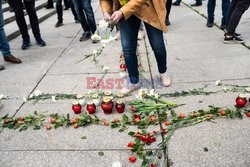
<point x="225" y="5"/>
<point x="156" y="41"/>
<point x="210" y="11"/>
<point x="230" y="10"/>
<point x="129" y="31"/>
<point x="59" y="11"/>
<point x="168" y="7"/>
<point x="240" y="8"/>
<point x="73" y="10"/>
<point x="80" y="14"/>
<point x="30" y="8"/>
<point x="66" y="4"/>
<point x="50" y="4"/>
<point x="89" y="14"/>
<point x="19" y="14"/>
<point x="4" y="45"/>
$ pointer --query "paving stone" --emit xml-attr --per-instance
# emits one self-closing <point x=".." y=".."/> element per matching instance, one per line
<point x="66" y="158"/>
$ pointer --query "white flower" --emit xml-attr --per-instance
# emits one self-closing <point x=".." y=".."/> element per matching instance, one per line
<point x="141" y="93"/>
<point x="24" y="99"/>
<point x="217" y="83"/>
<point x="117" y="164"/>
<point x="151" y="92"/>
<point x="103" y="24"/>
<point x="123" y="74"/>
<point x="225" y="89"/>
<point x="103" y="45"/>
<point x="53" y="98"/>
<point x="106" y="41"/>
<point x="248" y="89"/>
<point x="37" y="93"/>
<point x="31" y="95"/>
<point x="105" y="68"/>
<point x="89" y="92"/>
<point x="95" y="52"/>
<point x="2" y="97"/>
<point x="81" y="102"/>
<point x="156" y="95"/>
<point x="96" y="37"/>
<point x="79" y="96"/>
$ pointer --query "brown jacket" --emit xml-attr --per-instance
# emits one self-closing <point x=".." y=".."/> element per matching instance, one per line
<point x="151" y="11"/>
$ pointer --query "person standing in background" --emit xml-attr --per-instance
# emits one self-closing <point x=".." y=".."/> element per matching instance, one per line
<point x="59" y="11"/>
<point x="83" y="8"/>
<point x="210" y="11"/>
<point x="235" y="12"/>
<point x="4" y="45"/>
<point x="129" y="15"/>
<point x="20" y="20"/>
<point x="168" y="7"/>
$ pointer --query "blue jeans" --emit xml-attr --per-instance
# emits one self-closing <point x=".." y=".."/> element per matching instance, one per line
<point x="129" y="31"/>
<point x="4" y="45"/>
<point x="83" y="7"/>
<point x="211" y="7"/>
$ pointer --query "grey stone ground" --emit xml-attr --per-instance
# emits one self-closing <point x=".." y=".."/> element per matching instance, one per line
<point x="196" y="56"/>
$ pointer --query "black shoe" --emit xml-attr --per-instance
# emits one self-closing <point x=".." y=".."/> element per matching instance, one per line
<point x="59" y="24"/>
<point x="223" y="26"/>
<point x="26" y="44"/>
<point x="167" y="22"/>
<point x="176" y="3"/>
<point x="85" y="36"/>
<point x="197" y="4"/>
<point x="40" y="41"/>
<point x="210" y="24"/>
<point x="232" y="39"/>
<point x="235" y="34"/>
<point x="49" y="7"/>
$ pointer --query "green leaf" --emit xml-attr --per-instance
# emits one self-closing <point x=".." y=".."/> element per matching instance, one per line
<point x="100" y="153"/>
<point x="131" y="133"/>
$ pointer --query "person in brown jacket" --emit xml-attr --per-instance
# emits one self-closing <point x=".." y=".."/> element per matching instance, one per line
<point x="129" y="14"/>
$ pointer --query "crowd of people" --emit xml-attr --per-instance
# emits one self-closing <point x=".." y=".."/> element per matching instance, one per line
<point x="128" y="15"/>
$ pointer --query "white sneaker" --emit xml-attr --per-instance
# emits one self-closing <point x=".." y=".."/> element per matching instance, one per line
<point x="141" y="35"/>
<point x="129" y="89"/>
<point x="165" y="79"/>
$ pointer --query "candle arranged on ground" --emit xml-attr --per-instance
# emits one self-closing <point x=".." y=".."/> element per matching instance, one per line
<point x="241" y="100"/>
<point x="76" y="107"/>
<point x="107" y="105"/>
<point x="91" y="108"/>
<point x="120" y="106"/>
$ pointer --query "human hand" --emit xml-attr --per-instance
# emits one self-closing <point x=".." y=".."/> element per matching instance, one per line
<point x="116" y="16"/>
<point x="106" y="16"/>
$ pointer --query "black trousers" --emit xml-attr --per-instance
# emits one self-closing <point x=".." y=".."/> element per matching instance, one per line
<point x="168" y="7"/>
<point x="17" y="6"/>
<point x="235" y="12"/>
<point x="59" y="9"/>
<point x="50" y="3"/>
